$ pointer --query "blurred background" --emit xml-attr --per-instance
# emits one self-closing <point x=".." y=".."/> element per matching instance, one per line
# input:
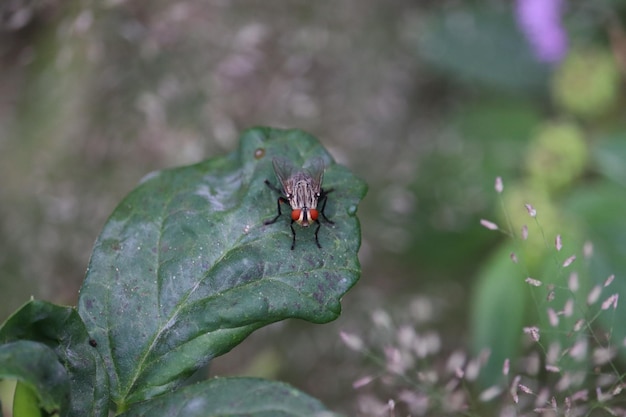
<point x="428" y="101"/>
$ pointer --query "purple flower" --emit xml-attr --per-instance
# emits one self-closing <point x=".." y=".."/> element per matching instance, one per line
<point x="540" y="21"/>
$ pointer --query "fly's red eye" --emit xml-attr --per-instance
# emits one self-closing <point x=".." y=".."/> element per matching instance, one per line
<point x="295" y="214"/>
<point x="313" y="214"/>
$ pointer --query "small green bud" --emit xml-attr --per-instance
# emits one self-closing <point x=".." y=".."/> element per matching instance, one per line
<point x="587" y="83"/>
<point x="557" y="155"/>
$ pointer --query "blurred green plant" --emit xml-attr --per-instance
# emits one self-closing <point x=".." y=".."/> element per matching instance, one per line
<point x="473" y="44"/>
<point x="553" y="126"/>
<point x="558" y="155"/>
<point x="182" y="272"/>
<point x="587" y="83"/>
<point x="562" y="365"/>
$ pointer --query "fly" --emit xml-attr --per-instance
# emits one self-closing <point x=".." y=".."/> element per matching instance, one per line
<point x="302" y="190"/>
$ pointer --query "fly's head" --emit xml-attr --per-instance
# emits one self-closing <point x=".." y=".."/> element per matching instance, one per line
<point x="304" y="216"/>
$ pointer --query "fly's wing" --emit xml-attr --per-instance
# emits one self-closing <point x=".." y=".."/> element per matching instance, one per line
<point x="315" y="168"/>
<point x="284" y="171"/>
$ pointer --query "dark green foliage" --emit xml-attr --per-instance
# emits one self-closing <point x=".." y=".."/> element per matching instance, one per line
<point x="232" y="397"/>
<point x="55" y="337"/>
<point x="183" y="271"/>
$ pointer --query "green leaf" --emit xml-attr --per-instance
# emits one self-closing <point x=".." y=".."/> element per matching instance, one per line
<point x="474" y="44"/>
<point x="601" y="208"/>
<point x="36" y="366"/>
<point x="185" y="268"/>
<point x="231" y="397"/>
<point x="498" y="306"/>
<point x="498" y="123"/>
<point x="26" y="401"/>
<point x="62" y="330"/>
<point x="609" y="156"/>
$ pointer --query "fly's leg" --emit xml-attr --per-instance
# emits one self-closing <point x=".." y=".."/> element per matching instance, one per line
<point x="272" y="187"/>
<point x="284" y="200"/>
<point x="324" y="199"/>
<point x="281" y="199"/>
<point x="293" y="234"/>
<point x="317" y="229"/>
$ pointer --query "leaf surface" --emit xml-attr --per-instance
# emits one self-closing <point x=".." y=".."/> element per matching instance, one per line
<point x="601" y="207"/>
<point x="185" y="267"/>
<point x="36" y="367"/>
<point x="470" y="43"/>
<point x="498" y="307"/>
<point x="232" y="397"/>
<point x="62" y="332"/>
<point x="609" y="156"/>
